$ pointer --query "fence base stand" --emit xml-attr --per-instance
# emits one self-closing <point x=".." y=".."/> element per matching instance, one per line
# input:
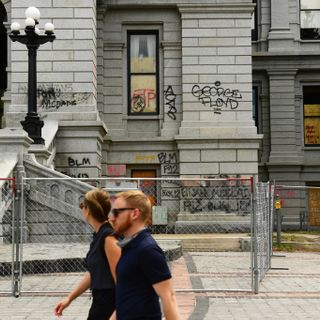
<point x="278" y="256"/>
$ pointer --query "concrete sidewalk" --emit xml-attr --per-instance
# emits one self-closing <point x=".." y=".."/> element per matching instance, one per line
<point x="291" y="291"/>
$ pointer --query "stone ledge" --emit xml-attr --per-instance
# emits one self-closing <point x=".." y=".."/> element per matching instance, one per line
<point x="34" y="264"/>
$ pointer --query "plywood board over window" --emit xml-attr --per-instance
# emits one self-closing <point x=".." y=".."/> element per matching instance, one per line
<point x="311" y="113"/>
<point x="314" y="207"/>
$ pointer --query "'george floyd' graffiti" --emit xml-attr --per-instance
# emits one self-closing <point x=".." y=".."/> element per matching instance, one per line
<point x="217" y="97"/>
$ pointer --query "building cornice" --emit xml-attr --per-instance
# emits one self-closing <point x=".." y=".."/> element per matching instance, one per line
<point x="215" y="8"/>
<point x="111" y="45"/>
<point x="171" y="44"/>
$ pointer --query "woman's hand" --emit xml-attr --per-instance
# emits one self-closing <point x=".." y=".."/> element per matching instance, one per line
<point x="64" y="303"/>
<point x="76" y="292"/>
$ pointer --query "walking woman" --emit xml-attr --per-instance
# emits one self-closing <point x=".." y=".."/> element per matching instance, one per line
<point x="101" y="259"/>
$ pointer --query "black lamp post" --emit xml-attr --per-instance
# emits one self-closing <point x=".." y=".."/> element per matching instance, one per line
<point x="32" y="39"/>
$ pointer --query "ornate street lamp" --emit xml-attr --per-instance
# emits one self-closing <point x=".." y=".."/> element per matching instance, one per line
<point x="32" y="39"/>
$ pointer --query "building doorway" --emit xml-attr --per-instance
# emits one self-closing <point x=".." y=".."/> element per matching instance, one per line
<point x="149" y="187"/>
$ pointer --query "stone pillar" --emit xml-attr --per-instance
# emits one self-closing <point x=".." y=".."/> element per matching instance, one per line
<point x="285" y="160"/>
<point x="6" y="99"/>
<point x="15" y="141"/>
<point x="283" y="118"/>
<point x="79" y="148"/>
<point x="172" y="88"/>
<point x="280" y="36"/>
<point x="217" y="135"/>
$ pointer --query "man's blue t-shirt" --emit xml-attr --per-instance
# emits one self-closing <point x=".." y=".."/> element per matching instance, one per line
<point x="141" y="265"/>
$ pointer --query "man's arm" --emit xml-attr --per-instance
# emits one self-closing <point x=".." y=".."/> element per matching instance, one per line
<point x="164" y="290"/>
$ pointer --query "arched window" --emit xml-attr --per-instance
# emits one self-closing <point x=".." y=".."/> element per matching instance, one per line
<point x="54" y="191"/>
<point x="69" y="197"/>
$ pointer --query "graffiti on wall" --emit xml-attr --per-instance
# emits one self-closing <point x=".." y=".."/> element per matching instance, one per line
<point x="145" y="158"/>
<point x="170" y="102"/>
<point x="226" y="199"/>
<point x="217" y="97"/>
<point x="143" y="100"/>
<point x="223" y="205"/>
<point x="55" y="96"/>
<point x="79" y="166"/>
<point x="169" y="163"/>
<point x="76" y="175"/>
<point x="311" y="131"/>
<point x="116" y="170"/>
<point x="78" y="163"/>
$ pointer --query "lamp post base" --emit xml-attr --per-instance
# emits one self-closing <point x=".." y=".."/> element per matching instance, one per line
<point x="33" y="125"/>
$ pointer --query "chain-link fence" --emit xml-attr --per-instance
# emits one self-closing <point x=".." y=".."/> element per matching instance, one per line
<point x="187" y="214"/>
<point x="55" y="236"/>
<point x="263" y="229"/>
<point x="7" y="233"/>
<point x="298" y="207"/>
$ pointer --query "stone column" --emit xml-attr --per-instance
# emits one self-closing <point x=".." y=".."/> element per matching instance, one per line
<point x="283" y="118"/>
<point x="280" y="36"/>
<point x="79" y="148"/>
<point x="172" y="88"/>
<point x="217" y="135"/>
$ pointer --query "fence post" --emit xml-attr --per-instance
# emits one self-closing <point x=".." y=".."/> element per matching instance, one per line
<point x="255" y="267"/>
<point x="16" y="240"/>
<point x="278" y="214"/>
<point x="271" y="222"/>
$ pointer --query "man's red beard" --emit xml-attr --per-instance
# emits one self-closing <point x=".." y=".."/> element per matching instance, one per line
<point x="123" y="226"/>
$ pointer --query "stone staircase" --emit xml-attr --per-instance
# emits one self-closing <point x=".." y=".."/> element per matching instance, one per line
<point x="213" y="222"/>
<point x="222" y="242"/>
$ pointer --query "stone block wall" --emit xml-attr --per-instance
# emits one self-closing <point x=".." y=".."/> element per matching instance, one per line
<point x="66" y="68"/>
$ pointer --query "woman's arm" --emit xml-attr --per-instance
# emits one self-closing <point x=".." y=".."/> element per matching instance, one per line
<point x="75" y="293"/>
<point x="113" y="253"/>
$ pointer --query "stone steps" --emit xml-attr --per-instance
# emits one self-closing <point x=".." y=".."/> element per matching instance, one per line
<point x="42" y="258"/>
<point x="213" y="217"/>
<point x="210" y="242"/>
<point x="212" y="223"/>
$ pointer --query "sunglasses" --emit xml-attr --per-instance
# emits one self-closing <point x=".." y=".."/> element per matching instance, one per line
<point x="116" y="211"/>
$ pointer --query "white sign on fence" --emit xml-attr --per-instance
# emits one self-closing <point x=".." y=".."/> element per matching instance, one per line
<point x="159" y="215"/>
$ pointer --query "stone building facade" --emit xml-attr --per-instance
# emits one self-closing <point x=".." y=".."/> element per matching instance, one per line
<point x="219" y="88"/>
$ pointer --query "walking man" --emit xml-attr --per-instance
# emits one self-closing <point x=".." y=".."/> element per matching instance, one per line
<point x="143" y="275"/>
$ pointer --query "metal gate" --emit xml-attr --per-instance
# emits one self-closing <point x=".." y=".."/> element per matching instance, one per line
<point x="187" y="216"/>
<point x="8" y="234"/>
<point x="262" y="230"/>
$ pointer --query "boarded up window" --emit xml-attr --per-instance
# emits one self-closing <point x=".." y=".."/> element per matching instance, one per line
<point x="314" y="207"/>
<point x="311" y="109"/>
